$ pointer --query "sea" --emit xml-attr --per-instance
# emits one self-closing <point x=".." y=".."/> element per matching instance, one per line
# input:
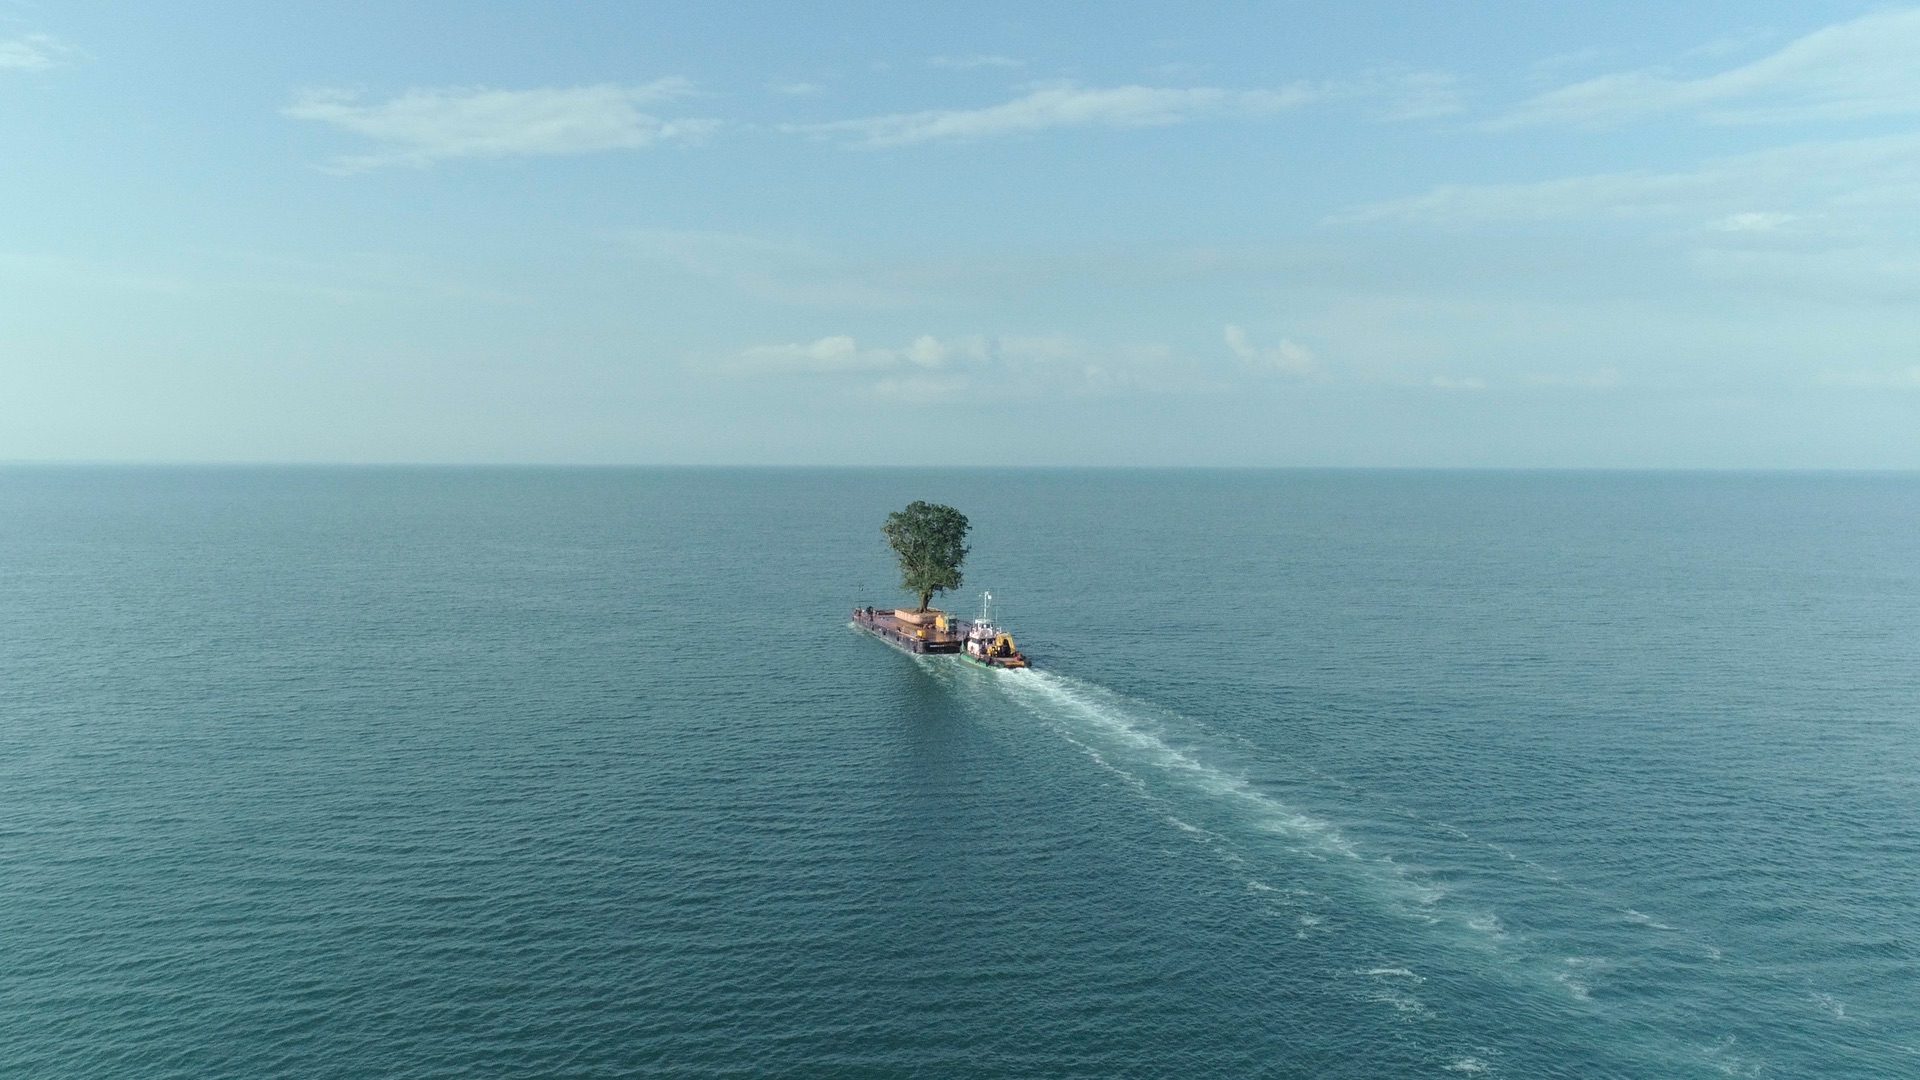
<point x="552" y="772"/>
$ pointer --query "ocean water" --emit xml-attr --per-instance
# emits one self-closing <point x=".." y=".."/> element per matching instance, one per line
<point x="544" y="772"/>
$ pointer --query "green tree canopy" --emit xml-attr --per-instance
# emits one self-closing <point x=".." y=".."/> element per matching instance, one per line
<point x="931" y="541"/>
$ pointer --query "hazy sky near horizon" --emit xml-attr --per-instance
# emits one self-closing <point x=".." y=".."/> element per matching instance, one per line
<point x="1508" y="234"/>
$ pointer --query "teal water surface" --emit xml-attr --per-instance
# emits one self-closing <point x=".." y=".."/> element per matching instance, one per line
<point x="547" y="772"/>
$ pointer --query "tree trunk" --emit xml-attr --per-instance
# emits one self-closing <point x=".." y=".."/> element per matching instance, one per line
<point x="926" y="596"/>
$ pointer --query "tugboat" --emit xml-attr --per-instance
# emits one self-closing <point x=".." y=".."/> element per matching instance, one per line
<point x="989" y="645"/>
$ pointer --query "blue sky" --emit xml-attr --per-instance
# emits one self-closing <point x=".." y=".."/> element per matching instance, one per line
<point x="1620" y="235"/>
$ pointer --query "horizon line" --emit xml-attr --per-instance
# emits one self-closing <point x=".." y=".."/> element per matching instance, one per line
<point x="112" y="463"/>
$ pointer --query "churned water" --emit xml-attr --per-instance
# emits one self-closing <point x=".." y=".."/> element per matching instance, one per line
<point x="422" y="773"/>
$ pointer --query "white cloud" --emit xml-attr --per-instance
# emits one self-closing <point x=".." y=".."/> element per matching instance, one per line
<point x="1863" y="174"/>
<point x="1555" y="65"/>
<point x="1605" y="378"/>
<point x="1451" y="382"/>
<point x="34" y="52"/>
<point x="1907" y="378"/>
<point x="1752" y="221"/>
<point x="1863" y="68"/>
<point x="1286" y="358"/>
<point x="835" y="355"/>
<point x="840" y="354"/>
<point x="928" y="351"/>
<point x="424" y="126"/>
<point x="1064" y="105"/>
<point x="970" y="63"/>
<point x="970" y="365"/>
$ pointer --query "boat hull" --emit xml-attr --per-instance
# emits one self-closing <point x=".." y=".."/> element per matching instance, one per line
<point x="1006" y="663"/>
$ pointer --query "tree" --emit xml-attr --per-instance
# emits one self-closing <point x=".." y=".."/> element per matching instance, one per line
<point x="931" y="541"/>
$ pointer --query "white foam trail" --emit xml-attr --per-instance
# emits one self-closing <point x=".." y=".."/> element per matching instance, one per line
<point x="1119" y="720"/>
<point x="1574" y="986"/>
<point x="1472" y="1066"/>
<point x="1831" y="1005"/>
<point x="1099" y="759"/>
<point x="1403" y="1002"/>
<point x="1072" y="707"/>
<point x="1573" y="979"/>
<point x="1727" y="1063"/>
<point x="1394" y="973"/>
<point x="1426" y="892"/>
<point x="1374" y="799"/>
<point x="1488" y="924"/>
<point x="1275" y="816"/>
<point x="1643" y="919"/>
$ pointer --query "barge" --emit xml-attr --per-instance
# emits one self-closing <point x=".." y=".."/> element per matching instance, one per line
<point x="918" y="632"/>
<point x="934" y="632"/>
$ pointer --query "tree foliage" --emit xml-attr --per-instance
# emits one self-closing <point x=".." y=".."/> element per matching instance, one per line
<point x="931" y="541"/>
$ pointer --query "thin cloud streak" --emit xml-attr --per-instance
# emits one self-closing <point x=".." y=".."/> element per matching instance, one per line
<point x="1286" y="358"/>
<point x="974" y="63"/>
<point x="34" y="52"/>
<point x="1063" y="105"/>
<point x="973" y="366"/>
<point x="421" y="127"/>
<point x="1846" y="173"/>
<point x="1852" y="70"/>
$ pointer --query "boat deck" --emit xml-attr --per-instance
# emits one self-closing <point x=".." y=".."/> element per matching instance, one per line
<point x="883" y="624"/>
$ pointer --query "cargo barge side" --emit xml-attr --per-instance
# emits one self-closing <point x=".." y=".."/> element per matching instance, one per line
<point x="922" y="633"/>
